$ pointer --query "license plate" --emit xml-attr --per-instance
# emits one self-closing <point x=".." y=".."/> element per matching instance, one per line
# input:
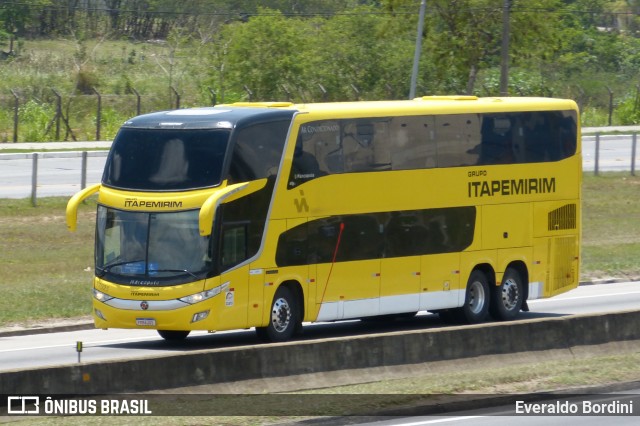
<point x="145" y="322"/>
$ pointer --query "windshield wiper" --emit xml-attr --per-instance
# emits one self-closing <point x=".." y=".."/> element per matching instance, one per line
<point x="106" y="268"/>
<point x="186" y="271"/>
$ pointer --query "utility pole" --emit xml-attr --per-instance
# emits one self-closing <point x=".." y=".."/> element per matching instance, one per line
<point x="416" y="55"/>
<point x="504" y="55"/>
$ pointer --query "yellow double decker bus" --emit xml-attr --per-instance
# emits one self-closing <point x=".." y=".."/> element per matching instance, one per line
<point x="269" y="215"/>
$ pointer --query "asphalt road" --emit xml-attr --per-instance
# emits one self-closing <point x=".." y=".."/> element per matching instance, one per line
<point x="39" y="350"/>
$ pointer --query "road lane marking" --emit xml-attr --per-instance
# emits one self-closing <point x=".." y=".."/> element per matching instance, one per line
<point x="560" y="299"/>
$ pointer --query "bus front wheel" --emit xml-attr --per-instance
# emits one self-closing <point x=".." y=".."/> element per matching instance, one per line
<point x="476" y="301"/>
<point x="507" y="298"/>
<point x="173" y="335"/>
<point x="284" y="318"/>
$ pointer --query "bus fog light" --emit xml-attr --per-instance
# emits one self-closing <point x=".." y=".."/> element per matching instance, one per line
<point x="99" y="314"/>
<point x="200" y="316"/>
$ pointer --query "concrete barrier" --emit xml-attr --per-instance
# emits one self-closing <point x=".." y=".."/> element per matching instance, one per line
<point x="302" y="357"/>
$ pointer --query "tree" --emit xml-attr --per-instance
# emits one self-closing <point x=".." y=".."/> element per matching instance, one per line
<point x="16" y="17"/>
<point x="464" y="37"/>
<point x="264" y="54"/>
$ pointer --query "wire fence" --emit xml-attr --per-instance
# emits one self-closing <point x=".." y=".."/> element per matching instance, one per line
<point x="49" y="115"/>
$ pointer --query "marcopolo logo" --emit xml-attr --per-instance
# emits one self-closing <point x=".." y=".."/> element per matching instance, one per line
<point x="23" y="405"/>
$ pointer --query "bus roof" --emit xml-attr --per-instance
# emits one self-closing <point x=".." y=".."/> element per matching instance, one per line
<point x="457" y="104"/>
<point x="229" y="115"/>
<point x="221" y="117"/>
<point x="441" y="105"/>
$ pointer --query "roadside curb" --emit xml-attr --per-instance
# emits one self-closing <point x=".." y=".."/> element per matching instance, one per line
<point x="84" y="325"/>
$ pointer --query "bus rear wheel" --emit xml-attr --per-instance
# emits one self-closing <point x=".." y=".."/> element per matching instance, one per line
<point x="173" y="335"/>
<point x="284" y="318"/>
<point x="508" y="297"/>
<point x="476" y="301"/>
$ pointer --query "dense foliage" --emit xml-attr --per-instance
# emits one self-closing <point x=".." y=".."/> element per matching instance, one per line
<point x="312" y="50"/>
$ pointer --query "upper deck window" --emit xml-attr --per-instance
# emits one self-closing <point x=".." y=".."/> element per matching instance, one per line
<point x="431" y="141"/>
<point x="166" y="159"/>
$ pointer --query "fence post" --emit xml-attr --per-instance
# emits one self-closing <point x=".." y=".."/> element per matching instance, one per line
<point x="634" y="140"/>
<point x="391" y="94"/>
<point x="249" y="92"/>
<point x="58" y="112"/>
<point x="175" y="92"/>
<point x="324" y="92"/>
<point x="610" y="104"/>
<point x="137" y="100"/>
<point x="16" y="109"/>
<point x="356" y="91"/>
<point x="83" y="173"/>
<point x="287" y="92"/>
<point x="34" y="178"/>
<point x="98" y="113"/>
<point x="597" y="157"/>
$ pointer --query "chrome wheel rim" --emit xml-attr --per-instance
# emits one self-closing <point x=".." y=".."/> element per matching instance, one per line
<point x="477" y="297"/>
<point x="280" y="315"/>
<point x="510" y="294"/>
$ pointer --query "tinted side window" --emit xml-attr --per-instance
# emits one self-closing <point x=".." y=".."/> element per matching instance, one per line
<point x="420" y="142"/>
<point x="528" y="137"/>
<point x="377" y="235"/>
<point x="257" y="151"/>
<point x="233" y="245"/>
<point x="413" y="143"/>
<point x="251" y="212"/>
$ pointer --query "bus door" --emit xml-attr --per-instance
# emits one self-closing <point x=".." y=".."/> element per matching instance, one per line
<point x="348" y="251"/>
<point x="235" y="281"/>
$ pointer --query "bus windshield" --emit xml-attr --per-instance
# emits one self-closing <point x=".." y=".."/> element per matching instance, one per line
<point x="166" y="159"/>
<point x="142" y="248"/>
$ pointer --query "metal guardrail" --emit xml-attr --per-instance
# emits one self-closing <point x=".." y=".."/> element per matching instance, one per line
<point x="597" y="150"/>
<point x="36" y="156"/>
<point x="634" y="143"/>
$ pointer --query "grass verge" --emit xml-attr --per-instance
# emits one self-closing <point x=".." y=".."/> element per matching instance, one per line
<point x="610" y="226"/>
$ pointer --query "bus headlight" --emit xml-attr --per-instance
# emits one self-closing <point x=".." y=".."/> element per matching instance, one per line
<point x="199" y="297"/>
<point x="100" y="296"/>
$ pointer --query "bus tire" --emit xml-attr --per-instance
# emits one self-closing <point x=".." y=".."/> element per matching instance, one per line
<point x="508" y="297"/>
<point x="476" y="300"/>
<point x="284" y="318"/>
<point x="173" y="335"/>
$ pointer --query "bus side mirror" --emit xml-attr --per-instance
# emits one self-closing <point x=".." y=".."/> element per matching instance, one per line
<point x="226" y="193"/>
<point x="74" y="202"/>
<point x="209" y="207"/>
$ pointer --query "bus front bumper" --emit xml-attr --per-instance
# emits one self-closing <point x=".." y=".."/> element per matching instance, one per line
<point x="175" y="315"/>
